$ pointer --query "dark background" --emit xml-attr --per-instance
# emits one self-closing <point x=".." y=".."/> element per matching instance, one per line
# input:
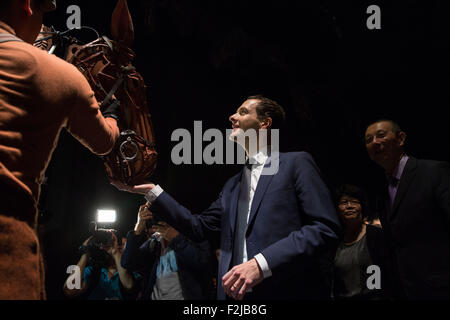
<point x="201" y="58"/>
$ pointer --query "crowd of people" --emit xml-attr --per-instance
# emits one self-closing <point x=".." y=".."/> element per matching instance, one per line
<point x="281" y="235"/>
<point x="329" y="242"/>
<point x="154" y="262"/>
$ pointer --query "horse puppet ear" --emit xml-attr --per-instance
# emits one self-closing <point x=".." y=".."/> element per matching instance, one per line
<point x="121" y="24"/>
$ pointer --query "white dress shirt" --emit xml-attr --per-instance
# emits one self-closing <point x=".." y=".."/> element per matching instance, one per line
<point x="249" y="183"/>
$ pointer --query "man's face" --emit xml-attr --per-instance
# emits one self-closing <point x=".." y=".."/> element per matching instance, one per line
<point x="245" y="118"/>
<point x="382" y="143"/>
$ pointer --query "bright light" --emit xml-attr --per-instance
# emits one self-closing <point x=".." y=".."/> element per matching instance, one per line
<point x="106" y="215"/>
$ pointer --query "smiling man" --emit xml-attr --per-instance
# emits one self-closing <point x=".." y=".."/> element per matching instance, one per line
<point x="272" y="228"/>
<point x="417" y="215"/>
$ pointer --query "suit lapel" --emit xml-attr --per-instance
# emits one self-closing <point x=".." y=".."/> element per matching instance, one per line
<point x="234" y="202"/>
<point x="261" y="188"/>
<point x="405" y="181"/>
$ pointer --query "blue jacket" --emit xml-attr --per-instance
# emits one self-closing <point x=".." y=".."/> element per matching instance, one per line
<point x="292" y="223"/>
<point x="194" y="261"/>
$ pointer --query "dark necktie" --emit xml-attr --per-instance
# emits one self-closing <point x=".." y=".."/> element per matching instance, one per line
<point x="393" y="182"/>
<point x="248" y="164"/>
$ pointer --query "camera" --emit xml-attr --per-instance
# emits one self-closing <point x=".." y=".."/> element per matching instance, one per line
<point x="101" y="238"/>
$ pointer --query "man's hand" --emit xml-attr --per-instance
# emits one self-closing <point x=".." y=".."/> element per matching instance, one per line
<point x="87" y="240"/>
<point x="84" y="251"/>
<point x="143" y="216"/>
<point x="113" y="250"/>
<point x="241" y="278"/>
<point x="167" y="232"/>
<point x="141" y="189"/>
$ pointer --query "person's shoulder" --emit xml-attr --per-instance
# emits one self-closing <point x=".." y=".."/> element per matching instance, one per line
<point x="297" y="156"/>
<point x="431" y="165"/>
<point x="22" y="55"/>
<point x="47" y="65"/>
<point x="87" y="270"/>
<point x="58" y="65"/>
<point x="233" y="179"/>
<point x="26" y="51"/>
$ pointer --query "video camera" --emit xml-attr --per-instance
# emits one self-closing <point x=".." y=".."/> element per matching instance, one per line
<point x="101" y="239"/>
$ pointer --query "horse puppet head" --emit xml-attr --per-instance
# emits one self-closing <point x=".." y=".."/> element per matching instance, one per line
<point x="107" y="65"/>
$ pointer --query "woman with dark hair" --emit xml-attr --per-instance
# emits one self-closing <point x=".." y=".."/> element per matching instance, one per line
<point x="360" y="271"/>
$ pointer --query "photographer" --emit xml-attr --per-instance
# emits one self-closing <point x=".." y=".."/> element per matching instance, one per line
<point x="103" y="276"/>
<point x="174" y="267"/>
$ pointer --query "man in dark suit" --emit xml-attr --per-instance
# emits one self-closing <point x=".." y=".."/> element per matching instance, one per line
<point x="417" y="219"/>
<point x="274" y="219"/>
<point x="173" y="266"/>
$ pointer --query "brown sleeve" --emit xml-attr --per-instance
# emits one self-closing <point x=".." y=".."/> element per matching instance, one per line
<point x="86" y="123"/>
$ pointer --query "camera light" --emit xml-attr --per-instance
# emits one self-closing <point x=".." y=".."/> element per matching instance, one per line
<point x="108" y="216"/>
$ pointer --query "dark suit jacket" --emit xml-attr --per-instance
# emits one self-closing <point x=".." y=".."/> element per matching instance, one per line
<point x="418" y="228"/>
<point x="194" y="261"/>
<point x="292" y="221"/>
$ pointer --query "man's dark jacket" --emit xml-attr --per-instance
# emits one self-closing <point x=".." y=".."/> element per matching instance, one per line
<point x="418" y="229"/>
<point x="292" y="222"/>
<point x="194" y="260"/>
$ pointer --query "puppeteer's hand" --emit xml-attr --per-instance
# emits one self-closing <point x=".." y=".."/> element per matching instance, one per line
<point x="241" y="278"/>
<point x="141" y="189"/>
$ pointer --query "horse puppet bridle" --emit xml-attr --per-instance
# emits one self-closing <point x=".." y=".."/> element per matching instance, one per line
<point x="106" y="64"/>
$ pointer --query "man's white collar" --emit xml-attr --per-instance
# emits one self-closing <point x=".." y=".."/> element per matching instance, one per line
<point x="260" y="157"/>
